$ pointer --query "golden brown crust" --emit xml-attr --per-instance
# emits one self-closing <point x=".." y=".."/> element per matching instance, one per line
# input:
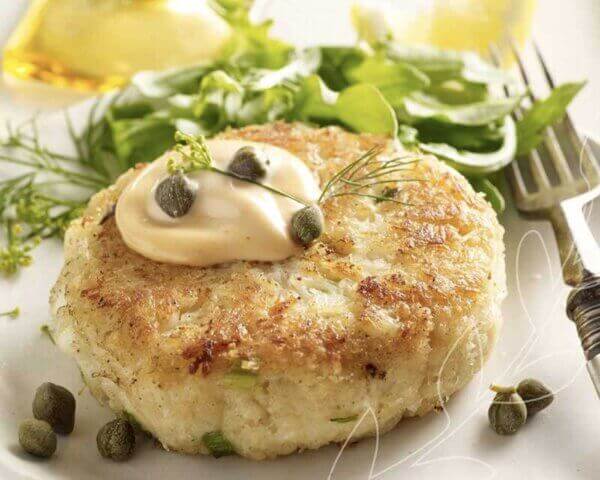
<point x="406" y="272"/>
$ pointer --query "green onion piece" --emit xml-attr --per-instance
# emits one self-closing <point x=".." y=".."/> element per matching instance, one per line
<point x="349" y="419"/>
<point x="217" y="444"/>
<point x="242" y="379"/>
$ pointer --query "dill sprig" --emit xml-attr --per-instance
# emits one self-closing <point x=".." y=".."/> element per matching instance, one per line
<point x="30" y="208"/>
<point x="22" y="147"/>
<point x="28" y="215"/>
<point x="195" y="156"/>
<point x="355" y="179"/>
<point x="367" y="172"/>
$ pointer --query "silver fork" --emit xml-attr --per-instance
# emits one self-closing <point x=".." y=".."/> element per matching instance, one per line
<point x="555" y="183"/>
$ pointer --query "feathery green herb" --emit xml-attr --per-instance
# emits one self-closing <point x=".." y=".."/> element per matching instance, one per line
<point x="356" y="179"/>
<point x="194" y="156"/>
<point x="33" y="203"/>
<point x="366" y="172"/>
<point x="14" y="313"/>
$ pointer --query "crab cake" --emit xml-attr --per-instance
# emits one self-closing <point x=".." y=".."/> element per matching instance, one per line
<point x="391" y="311"/>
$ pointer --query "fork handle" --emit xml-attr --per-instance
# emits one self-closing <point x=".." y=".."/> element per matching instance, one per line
<point x="583" y="307"/>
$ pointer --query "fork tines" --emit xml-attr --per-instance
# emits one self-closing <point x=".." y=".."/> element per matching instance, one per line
<point x="563" y="166"/>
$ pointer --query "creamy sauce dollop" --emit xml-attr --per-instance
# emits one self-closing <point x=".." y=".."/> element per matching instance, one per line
<point x="229" y="220"/>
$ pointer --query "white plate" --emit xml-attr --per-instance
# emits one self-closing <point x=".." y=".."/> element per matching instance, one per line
<point x="537" y="340"/>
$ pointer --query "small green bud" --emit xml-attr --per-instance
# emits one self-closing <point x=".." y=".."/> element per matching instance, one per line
<point x="535" y="395"/>
<point x="175" y="195"/>
<point x="217" y="444"/>
<point x="507" y="413"/>
<point x="248" y="163"/>
<point x="37" y="438"/>
<point x="307" y="225"/>
<point x="55" y="405"/>
<point x="116" y="440"/>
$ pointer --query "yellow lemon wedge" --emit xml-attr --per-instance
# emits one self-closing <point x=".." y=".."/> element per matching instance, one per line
<point x="100" y="44"/>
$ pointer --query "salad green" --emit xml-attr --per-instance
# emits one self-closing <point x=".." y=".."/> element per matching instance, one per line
<point x="439" y="101"/>
<point x="436" y="101"/>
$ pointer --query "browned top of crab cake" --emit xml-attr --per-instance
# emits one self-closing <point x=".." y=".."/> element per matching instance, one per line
<point x="386" y="280"/>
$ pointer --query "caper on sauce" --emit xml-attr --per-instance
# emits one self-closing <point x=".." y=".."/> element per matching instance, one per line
<point x="249" y="163"/>
<point x="307" y="225"/>
<point x="175" y="195"/>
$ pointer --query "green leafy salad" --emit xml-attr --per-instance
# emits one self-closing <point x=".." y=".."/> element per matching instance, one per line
<point x="441" y="102"/>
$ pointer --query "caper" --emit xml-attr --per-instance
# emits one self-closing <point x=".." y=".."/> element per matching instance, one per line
<point x="55" y="405"/>
<point x="307" y="225"/>
<point x="37" y="438"/>
<point x="116" y="440"/>
<point x="508" y="412"/>
<point x="248" y="163"/>
<point x="535" y="395"/>
<point x="175" y="195"/>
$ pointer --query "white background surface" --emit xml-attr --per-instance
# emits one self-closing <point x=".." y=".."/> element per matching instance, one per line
<point x="537" y="339"/>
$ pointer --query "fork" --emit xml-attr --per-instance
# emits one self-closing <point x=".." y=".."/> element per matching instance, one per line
<point x="555" y="182"/>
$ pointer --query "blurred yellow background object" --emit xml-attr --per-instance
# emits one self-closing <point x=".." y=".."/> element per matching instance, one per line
<point x="453" y="24"/>
<point x="476" y="24"/>
<point x="99" y="44"/>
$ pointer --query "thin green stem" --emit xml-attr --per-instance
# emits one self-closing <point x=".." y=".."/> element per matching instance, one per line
<point x="82" y="179"/>
<point x="15" y="142"/>
<point x="381" y="198"/>
<point x="351" y="176"/>
<point x="344" y="172"/>
<point x="73" y="135"/>
<point x="58" y="201"/>
<point x="14" y="313"/>
<point x="266" y="187"/>
<point x="382" y="182"/>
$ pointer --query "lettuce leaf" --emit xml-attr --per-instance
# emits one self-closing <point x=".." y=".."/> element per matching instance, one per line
<point x="141" y="140"/>
<point x="437" y="99"/>
<point x="478" y="164"/>
<point x="395" y="80"/>
<point x="170" y="82"/>
<point x="543" y="114"/>
<point x="363" y="108"/>
<point x="492" y="193"/>
<point x="422" y="106"/>
<point x="481" y="139"/>
<point x="314" y="102"/>
<point x="336" y="62"/>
